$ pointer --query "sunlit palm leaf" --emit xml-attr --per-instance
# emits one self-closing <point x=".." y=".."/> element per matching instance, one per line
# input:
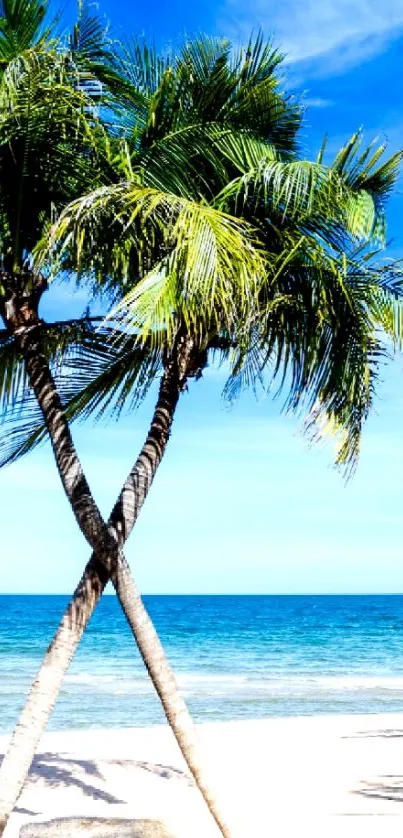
<point x="207" y="277"/>
<point x="201" y="217"/>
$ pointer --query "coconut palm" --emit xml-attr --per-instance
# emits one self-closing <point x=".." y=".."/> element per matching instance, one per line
<point x="49" y="123"/>
<point x="164" y="238"/>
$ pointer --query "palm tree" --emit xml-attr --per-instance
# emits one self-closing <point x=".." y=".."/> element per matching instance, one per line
<point x="197" y="284"/>
<point x="58" y="125"/>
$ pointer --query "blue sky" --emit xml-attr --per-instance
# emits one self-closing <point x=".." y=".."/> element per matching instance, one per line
<point x="241" y="504"/>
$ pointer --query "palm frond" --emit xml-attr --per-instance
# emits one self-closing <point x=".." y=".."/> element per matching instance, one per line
<point x="110" y="374"/>
<point x="185" y="201"/>
<point x="372" y="182"/>
<point x="240" y="89"/>
<point x="88" y="38"/>
<point x="208" y="263"/>
<point x="329" y="328"/>
<point x="21" y="419"/>
<point x="97" y="61"/>
<point x="49" y="147"/>
<point x="13" y="380"/>
<point x="98" y="373"/>
<point x="22" y="27"/>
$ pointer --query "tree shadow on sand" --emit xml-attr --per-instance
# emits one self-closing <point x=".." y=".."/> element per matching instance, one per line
<point x="166" y="772"/>
<point x="61" y="771"/>
<point x="388" y="733"/>
<point x="386" y="787"/>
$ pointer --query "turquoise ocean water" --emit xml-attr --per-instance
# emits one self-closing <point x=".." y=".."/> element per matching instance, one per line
<point x="236" y="657"/>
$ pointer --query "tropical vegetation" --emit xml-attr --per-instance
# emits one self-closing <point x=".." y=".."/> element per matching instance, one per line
<point x="173" y="187"/>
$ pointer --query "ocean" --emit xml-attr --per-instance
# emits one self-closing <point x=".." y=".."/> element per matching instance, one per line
<point x="236" y="657"/>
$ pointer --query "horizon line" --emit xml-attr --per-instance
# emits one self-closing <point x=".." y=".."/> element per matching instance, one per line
<point x="216" y="593"/>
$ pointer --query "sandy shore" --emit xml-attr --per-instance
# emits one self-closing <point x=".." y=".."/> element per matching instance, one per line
<point x="339" y="775"/>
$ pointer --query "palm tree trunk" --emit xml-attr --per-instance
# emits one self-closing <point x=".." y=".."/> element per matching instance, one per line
<point x="70" y="470"/>
<point x="107" y="563"/>
<point x="165" y="684"/>
<point x="45" y="689"/>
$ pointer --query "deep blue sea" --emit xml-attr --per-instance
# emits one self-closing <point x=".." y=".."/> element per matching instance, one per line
<point x="236" y="657"/>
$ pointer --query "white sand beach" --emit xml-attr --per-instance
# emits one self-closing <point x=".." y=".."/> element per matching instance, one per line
<point x="339" y="775"/>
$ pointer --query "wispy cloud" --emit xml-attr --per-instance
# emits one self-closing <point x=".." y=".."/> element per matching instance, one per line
<point x="317" y="102"/>
<point x="342" y="31"/>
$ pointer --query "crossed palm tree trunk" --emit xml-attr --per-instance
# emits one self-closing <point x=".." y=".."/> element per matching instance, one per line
<point x="107" y="562"/>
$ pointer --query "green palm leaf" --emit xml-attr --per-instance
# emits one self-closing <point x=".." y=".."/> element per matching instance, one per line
<point x="49" y="147"/>
<point x="21" y="27"/>
<point x="192" y="211"/>
<point x="98" y="372"/>
<point x="207" y="276"/>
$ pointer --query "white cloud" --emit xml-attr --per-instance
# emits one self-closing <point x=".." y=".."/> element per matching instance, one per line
<point x="343" y="31"/>
<point x="318" y="103"/>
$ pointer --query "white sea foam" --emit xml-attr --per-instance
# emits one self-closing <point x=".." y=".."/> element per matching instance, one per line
<point x="89" y="678"/>
<point x="360" y="682"/>
<point x="201" y="683"/>
<point x="236" y="657"/>
<point x="197" y="678"/>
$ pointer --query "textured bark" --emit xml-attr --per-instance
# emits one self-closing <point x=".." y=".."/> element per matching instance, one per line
<point x="164" y="681"/>
<point x="71" y="473"/>
<point x="45" y="689"/>
<point x="107" y="562"/>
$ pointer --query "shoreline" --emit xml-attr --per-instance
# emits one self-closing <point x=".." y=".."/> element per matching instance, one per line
<point x="272" y="774"/>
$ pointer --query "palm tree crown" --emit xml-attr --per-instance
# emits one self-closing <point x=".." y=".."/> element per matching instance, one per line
<point x="174" y="187"/>
<point x="204" y="221"/>
<point x="214" y="226"/>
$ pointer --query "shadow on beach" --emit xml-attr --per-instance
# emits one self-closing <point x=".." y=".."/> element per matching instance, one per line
<point x="374" y="734"/>
<point x="70" y="772"/>
<point x="386" y="787"/>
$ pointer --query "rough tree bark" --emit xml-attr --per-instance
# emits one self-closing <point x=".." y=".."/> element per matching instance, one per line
<point x="107" y="561"/>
